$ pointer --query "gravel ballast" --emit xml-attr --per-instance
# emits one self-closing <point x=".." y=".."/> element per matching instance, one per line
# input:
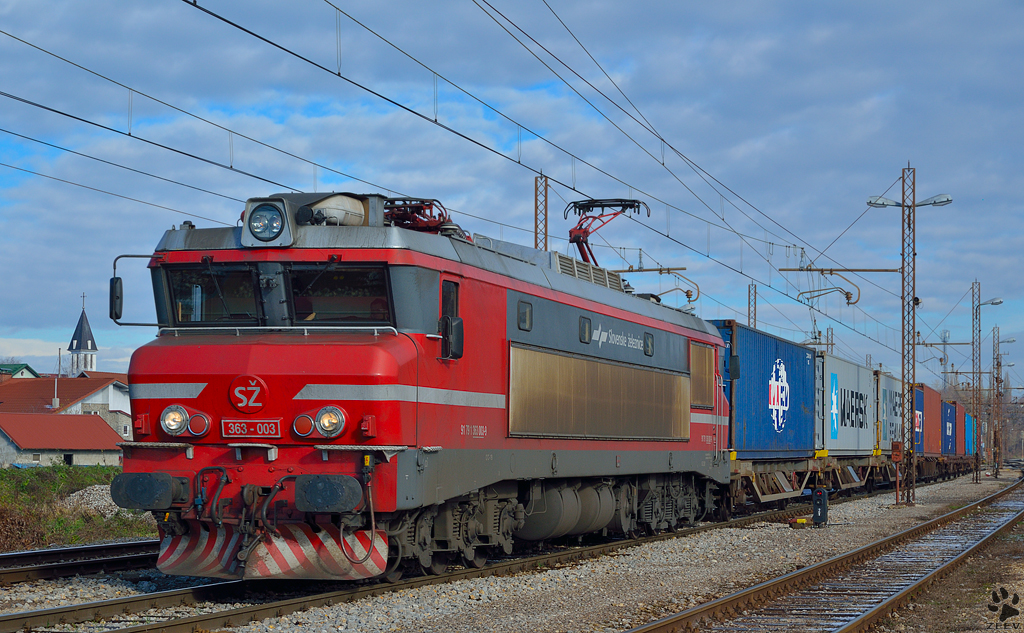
<point x="637" y="585"/>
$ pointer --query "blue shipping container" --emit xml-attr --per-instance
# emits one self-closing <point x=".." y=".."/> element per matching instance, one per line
<point x="969" y="434"/>
<point x="948" y="428"/>
<point x="772" y="402"/>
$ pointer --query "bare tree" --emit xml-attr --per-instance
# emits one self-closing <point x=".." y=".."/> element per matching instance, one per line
<point x="10" y="360"/>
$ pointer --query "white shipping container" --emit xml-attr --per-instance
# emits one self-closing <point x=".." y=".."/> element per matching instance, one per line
<point x="890" y="411"/>
<point x="845" y="407"/>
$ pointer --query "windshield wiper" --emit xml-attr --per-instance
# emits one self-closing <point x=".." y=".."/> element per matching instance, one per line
<point x="220" y="295"/>
<point x="332" y="265"/>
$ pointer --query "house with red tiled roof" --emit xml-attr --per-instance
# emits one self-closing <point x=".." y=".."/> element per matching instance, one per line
<point x="92" y="393"/>
<point x="42" y="439"/>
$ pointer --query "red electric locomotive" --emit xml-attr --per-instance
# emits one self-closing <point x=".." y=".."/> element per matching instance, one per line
<point x="346" y="386"/>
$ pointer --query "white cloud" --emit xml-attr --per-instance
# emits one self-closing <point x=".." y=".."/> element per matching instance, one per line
<point x="30" y="347"/>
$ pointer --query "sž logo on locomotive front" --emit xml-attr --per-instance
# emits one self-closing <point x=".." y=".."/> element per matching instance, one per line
<point x="778" y="395"/>
<point x="248" y="394"/>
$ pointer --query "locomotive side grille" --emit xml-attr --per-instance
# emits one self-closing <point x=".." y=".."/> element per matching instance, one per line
<point x="587" y="272"/>
<point x="566" y="265"/>
<point x="557" y="395"/>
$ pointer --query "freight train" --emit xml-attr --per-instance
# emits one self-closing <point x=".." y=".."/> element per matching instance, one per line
<point x="348" y="386"/>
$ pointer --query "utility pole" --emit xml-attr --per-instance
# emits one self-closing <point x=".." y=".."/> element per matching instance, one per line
<point x="997" y="399"/>
<point x="944" y="337"/>
<point x="830" y="342"/>
<point x="752" y="305"/>
<point x="908" y="205"/>
<point x="976" y="375"/>
<point x="540" y="213"/>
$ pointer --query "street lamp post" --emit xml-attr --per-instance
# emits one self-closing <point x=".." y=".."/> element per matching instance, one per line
<point x="910" y="301"/>
<point x="976" y="304"/>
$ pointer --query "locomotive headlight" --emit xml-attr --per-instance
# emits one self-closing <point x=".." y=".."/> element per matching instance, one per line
<point x="330" y="421"/>
<point x="266" y="222"/>
<point x="174" y="419"/>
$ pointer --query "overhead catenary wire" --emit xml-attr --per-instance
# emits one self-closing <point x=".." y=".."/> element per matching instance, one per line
<point x="694" y="165"/>
<point x="186" y="112"/>
<point x="141" y="139"/>
<point x="650" y="128"/>
<point x="116" y="195"/>
<point x="119" y="166"/>
<point x="427" y="119"/>
<point x="292" y="187"/>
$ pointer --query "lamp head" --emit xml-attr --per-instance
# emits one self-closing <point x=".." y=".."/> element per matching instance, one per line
<point x="879" y="202"/>
<point x="940" y="200"/>
<point x="992" y="302"/>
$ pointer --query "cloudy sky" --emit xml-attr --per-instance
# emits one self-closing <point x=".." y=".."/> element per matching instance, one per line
<point x="755" y="131"/>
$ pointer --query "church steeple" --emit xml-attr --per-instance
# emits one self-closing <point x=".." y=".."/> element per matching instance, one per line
<point x="83" y="345"/>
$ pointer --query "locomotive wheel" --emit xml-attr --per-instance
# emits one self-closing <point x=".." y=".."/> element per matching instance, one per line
<point x="479" y="559"/>
<point x="394" y="569"/>
<point x="394" y="575"/>
<point x="438" y="564"/>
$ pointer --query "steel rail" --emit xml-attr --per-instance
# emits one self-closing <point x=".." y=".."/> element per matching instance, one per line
<point x="867" y="621"/>
<point x="757" y="596"/>
<point x="120" y="607"/>
<point x="69" y="561"/>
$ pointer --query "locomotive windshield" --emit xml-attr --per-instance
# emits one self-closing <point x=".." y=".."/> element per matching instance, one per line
<point x="213" y="294"/>
<point x="339" y="295"/>
<point x="271" y="294"/>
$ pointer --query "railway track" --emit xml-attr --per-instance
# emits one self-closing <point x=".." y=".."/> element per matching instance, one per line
<point x="131" y="614"/>
<point x="70" y="561"/>
<point x="157" y="611"/>
<point x="852" y="591"/>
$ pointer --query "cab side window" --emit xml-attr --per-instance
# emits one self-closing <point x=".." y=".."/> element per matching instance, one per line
<point x="450" y="325"/>
<point x="449" y="299"/>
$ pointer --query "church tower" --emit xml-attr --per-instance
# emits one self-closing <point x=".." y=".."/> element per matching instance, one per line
<point x="83" y="346"/>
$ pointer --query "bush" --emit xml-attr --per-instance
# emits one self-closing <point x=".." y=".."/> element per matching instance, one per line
<point x="31" y="515"/>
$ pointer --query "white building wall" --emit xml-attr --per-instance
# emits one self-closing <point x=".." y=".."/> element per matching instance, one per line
<point x="114" y="396"/>
<point x="79" y="458"/>
<point x="8" y="451"/>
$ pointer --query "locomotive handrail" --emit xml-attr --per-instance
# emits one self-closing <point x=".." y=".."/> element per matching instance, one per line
<point x="388" y="451"/>
<point x="305" y="329"/>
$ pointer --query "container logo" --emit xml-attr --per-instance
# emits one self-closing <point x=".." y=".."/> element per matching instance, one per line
<point x="834" y="409"/>
<point x="778" y="395"/>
